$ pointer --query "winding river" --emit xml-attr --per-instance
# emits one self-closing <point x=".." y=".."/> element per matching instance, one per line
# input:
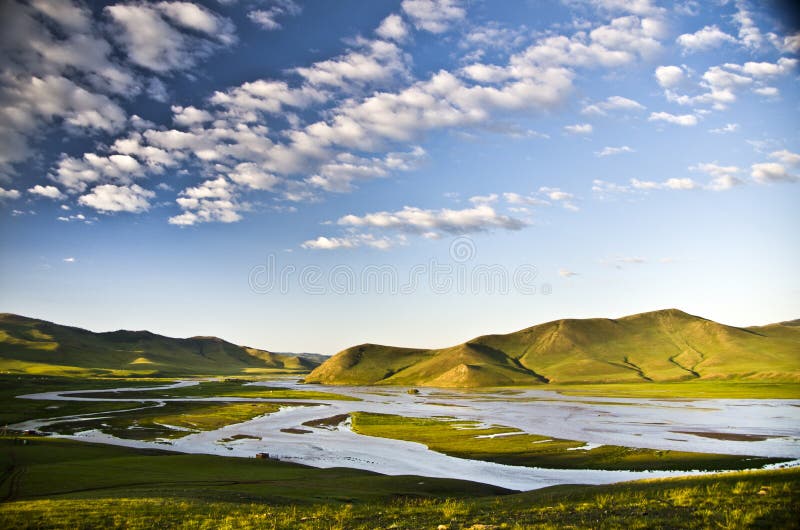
<point x="770" y="428"/>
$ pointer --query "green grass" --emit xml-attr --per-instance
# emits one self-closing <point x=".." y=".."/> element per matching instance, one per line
<point x="61" y="484"/>
<point x="16" y="410"/>
<point x="154" y="422"/>
<point x="466" y="440"/>
<point x="32" y="346"/>
<point x="227" y="388"/>
<point x="686" y="390"/>
<point x="659" y="346"/>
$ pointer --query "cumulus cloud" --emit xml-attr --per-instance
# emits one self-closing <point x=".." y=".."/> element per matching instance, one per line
<point x="669" y="184"/>
<point x="609" y="151"/>
<point x="613" y="103"/>
<point x="669" y="76"/>
<point x="727" y="128"/>
<point x="9" y="194"/>
<point x="51" y="192"/>
<point x="524" y="200"/>
<point x="435" y="16"/>
<point x="479" y="218"/>
<point x="109" y="198"/>
<point x="392" y="28"/>
<point x="684" y="120"/>
<point x="155" y="37"/>
<point x="724" y="177"/>
<point x="348" y="242"/>
<point x="771" y="172"/>
<point x="579" y="128"/>
<point x="375" y="61"/>
<point x="347" y="168"/>
<point x="786" y="157"/>
<point x="703" y="39"/>
<point x="211" y="201"/>
<point x="267" y="19"/>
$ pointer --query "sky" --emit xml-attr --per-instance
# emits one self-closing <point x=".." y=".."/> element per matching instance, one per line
<point x="307" y="176"/>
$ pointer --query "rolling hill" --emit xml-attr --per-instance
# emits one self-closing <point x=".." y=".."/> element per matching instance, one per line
<point x="29" y="345"/>
<point x="667" y="345"/>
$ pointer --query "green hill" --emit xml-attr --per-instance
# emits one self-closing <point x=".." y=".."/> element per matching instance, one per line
<point x="659" y="346"/>
<point x="29" y="345"/>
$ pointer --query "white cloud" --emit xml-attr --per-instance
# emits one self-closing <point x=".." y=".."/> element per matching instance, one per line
<point x="51" y="192"/>
<point x="703" y="39"/>
<point x="190" y="116"/>
<point x="267" y="19"/>
<point x="253" y="176"/>
<point x="153" y="43"/>
<point x="669" y="76"/>
<point x="749" y="34"/>
<point x="348" y="242"/>
<point x="769" y="172"/>
<point x="9" y="194"/>
<point x="579" y="128"/>
<point x="110" y="198"/>
<point x="767" y="91"/>
<point x="375" y="61"/>
<point x="727" y="128"/>
<point x="608" y="151"/>
<point x="786" y="44"/>
<point x="604" y="189"/>
<point x="435" y="16"/>
<point x="684" y="120"/>
<point x="198" y="18"/>
<point x="340" y="174"/>
<point x="392" y="28"/>
<point x="680" y="184"/>
<point x="724" y="177"/>
<point x="479" y="218"/>
<point x="69" y="260"/>
<point x="786" y="157"/>
<point x="669" y="184"/>
<point x="524" y="200"/>
<point x="211" y="201"/>
<point x="636" y="7"/>
<point x="613" y="103"/>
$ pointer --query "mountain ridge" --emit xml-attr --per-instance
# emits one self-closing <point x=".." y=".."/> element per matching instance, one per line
<point x="662" y="345"/>
<point x="31" y="345"/>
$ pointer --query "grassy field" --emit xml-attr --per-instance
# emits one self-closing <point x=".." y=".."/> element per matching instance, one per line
<point x="658" y="346"/>
<point x="64" y="484"/>
<point x="16" y="410"/>
<point x="468" y="440"/>
<point x="228" y="388"/>
<point x="157" y="421"/>
<point x="716" y="389"/>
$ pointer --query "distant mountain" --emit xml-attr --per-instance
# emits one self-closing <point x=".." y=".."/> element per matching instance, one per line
<point x="667" y="345"/>
<point x="29" y="345"/>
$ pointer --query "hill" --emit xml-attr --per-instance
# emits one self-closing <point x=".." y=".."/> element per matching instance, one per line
<point x="29" y="345"/>
<point x="667" y="345"/>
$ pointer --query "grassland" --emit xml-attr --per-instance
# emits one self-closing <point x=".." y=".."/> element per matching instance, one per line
<point x="654" y="347"/>
<point x="470" y="440"/>
<point x="172" y="420"/>
<point x="64" y="484"/>
<point x="17" y="410"/>
<point x="38" y="347"/>
<point x="229" y="388"/>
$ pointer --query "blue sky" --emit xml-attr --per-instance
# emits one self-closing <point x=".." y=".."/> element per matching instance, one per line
<point x="161" y="163"/>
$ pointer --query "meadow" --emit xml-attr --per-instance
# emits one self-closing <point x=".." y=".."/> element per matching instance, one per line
<point x="53" y="483"/>
<point x="507" y="445"/>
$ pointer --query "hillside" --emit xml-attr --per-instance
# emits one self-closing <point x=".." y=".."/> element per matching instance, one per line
<point x="29" y="345"/>
<point x="667" y="345"/>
